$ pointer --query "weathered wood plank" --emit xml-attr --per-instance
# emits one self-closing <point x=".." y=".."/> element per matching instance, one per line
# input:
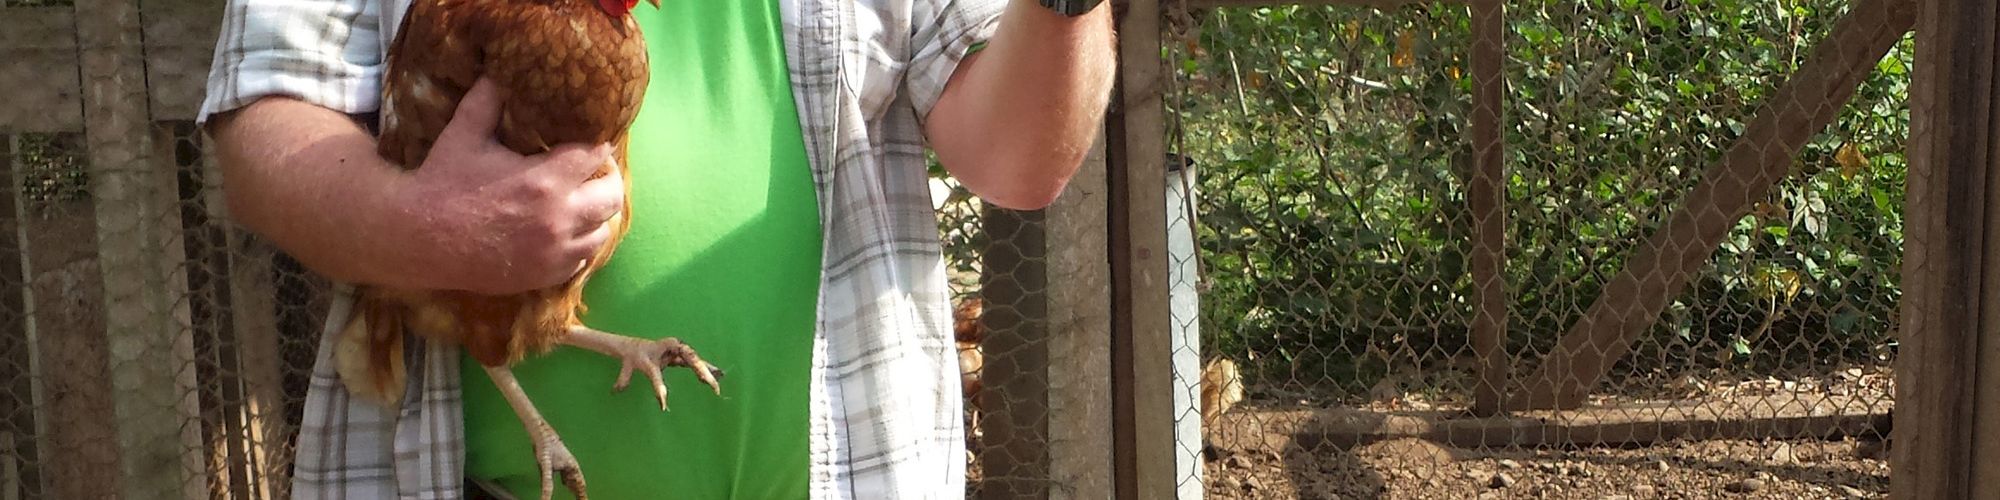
<point x="180" y="46"/>
<point x="1141" y="309"/>
<point x="1014" y="444"/>
<point x="142" y="259"/>
<point x="17" y="375"/>
<point x="12" y="486"/>
<point x="1485" y="198"/>
<point x="1660" y="267"/>
<point x="1949" y="287"/>
<point x="1079" y="322"/>
<point x="77" y="435"/>
<point x="254" y="338"/>
<point x="1047" y="378"/>
<point x="38" y="99"/>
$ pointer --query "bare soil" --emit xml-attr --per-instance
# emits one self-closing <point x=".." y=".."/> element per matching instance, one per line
<point x="1274" y="462"/>
<point x="1414" y="468"/>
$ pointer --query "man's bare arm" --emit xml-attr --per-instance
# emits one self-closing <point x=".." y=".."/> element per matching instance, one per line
<point x="475" y="217"/>
<point x="1017" y="118"/>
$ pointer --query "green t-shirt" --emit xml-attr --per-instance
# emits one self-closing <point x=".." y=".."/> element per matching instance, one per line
<point x="724" y="253"/>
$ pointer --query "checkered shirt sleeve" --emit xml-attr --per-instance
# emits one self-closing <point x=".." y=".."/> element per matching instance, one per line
<point x="325" y="52"/>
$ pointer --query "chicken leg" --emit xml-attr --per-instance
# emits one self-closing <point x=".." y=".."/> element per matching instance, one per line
<point x="649" y="356"/>
<point x="634" y="354"/>
<point x="550" y="452"/>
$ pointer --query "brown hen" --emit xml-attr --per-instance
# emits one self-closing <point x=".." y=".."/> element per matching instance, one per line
<point x="571" y="71"/>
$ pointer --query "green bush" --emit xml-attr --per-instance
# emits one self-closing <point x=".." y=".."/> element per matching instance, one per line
<point x="1333" y="147"/>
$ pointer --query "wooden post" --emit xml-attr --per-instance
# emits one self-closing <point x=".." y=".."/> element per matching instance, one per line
<point x="258" y="418"/>
<point x="232" y="300"/>
<point x="76" y="431"/>
<point x="1661" y="267"/>
<point x="1142" y="378"/>
<point x="142" y="261"/>
<point x="1945" y="439"/>
<point x="17" y="389"/>
<point x="1014" y="447"/>
<point x="1486" y="199"/>
<point x="1079" y="320"/>
<point x="1046" y="288"/>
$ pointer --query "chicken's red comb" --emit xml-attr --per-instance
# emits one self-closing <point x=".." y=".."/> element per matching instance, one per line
<point x="622" y="7"/>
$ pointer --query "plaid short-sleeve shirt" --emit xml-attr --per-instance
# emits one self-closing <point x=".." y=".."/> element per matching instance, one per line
<point x="885" y="419"/>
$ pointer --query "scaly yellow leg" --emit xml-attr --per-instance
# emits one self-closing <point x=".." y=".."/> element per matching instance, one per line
<point x="649" y="356"/>
<point x="550" y="453"/>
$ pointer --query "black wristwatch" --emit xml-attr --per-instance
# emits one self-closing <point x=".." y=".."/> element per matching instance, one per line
<point x="1071" y="8"/>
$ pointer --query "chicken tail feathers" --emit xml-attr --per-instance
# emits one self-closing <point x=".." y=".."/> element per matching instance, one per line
<point x="369" y="353"/>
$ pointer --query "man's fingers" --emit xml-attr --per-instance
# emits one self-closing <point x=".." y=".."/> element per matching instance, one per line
<point x="585" y="245"/>
<point x="477" y="114"/>
<point x="575" y="162"/>
<point x="598" y="200"/>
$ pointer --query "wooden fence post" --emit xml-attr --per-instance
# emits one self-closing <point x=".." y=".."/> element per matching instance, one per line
<point x="1047" y="397"/>
<point x="1486" y="197"/>
<point x="1948" y="365"/>
<point x="1141" y="324"/>
<point x="75" y="434"/>
<point x="17" y="381"/>
<point x="142" y="262"/>
<point x="259" y="417"/>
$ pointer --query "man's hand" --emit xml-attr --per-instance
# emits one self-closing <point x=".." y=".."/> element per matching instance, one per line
<point x="514" y="222"/>
<point x="475" y="217"/>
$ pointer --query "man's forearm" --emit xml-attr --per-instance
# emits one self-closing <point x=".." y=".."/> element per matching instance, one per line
<point x="308" y="179"/>
<point x="1017" y="121"/>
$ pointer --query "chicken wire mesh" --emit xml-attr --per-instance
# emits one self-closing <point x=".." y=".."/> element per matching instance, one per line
<point x="237" y="349"/>
<point x="149" y="348"/>
<point x="1320" y="243"/>
<point x="1033" y="335"/>
<point x="152" y="348"/>
<point x="1701" y="263"/>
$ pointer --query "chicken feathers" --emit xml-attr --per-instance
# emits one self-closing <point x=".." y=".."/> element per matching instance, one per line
<point x="570" y="73"/>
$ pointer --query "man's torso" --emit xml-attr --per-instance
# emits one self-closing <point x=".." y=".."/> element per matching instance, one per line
<point x="724" y="253"/>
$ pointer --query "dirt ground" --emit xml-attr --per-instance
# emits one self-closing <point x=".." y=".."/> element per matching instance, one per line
<point x="1259" y="452"/>
<point x="1417" y="469"/>
<point x="1414" y="468"/>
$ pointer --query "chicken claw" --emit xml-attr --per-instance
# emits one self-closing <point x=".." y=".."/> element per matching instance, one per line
<point x="648" y="356"/>
<point x="551" y="454"/>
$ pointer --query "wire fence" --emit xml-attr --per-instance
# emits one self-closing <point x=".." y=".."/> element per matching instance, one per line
<point x="1670" y="231"/>
<point x="1703" y="240"/>
<point x="152" y="348"/>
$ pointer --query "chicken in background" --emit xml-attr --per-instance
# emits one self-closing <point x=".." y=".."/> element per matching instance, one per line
<point x="1221" y="388"/>
<point x="969" y="332"/>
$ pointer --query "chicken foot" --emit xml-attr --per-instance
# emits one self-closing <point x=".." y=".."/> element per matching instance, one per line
<point x="649" y="356"/>
<point x="550" y="452"/>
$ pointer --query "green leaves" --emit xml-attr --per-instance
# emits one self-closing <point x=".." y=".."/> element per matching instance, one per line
<point x="1334" y="150"/>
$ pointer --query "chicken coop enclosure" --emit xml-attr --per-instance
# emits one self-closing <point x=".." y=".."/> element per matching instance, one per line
<point x="1325" y="249"/>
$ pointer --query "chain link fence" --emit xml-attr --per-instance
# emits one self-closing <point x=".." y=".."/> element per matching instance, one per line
<point x="1703" y="241"/>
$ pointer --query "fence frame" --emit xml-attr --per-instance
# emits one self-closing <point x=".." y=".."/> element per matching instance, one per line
<point x="1141" y="305"/>
<point x="1948" y="372"/>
